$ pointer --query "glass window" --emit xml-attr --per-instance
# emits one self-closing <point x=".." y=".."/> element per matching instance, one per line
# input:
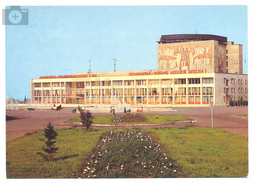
<point x="118" y="83"/>
<point x="207" y="80"/>
<point x="194" y="80"/>
<point x="37" y="84"/>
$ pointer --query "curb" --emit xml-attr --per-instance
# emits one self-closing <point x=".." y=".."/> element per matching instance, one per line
<point x="154" y="124"/>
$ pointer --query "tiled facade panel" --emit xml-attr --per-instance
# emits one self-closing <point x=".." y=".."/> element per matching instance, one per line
<point x="186" y="56"/>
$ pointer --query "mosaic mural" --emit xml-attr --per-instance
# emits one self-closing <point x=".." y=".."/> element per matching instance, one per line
<point x="187" y="57"/>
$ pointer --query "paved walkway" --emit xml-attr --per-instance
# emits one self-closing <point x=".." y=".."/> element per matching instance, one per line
<point x="30" y="121"/>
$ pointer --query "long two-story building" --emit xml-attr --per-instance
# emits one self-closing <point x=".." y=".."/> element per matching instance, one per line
<point x="193" y="70"/>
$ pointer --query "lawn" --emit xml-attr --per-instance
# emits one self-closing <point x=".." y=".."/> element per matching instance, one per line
<point x="197" y="152"/>
<point x="150" y="119"/>
<point x="22" y="160"/>
<point x="206" y="152"/>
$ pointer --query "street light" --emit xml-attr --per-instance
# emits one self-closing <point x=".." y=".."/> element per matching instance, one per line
<point x="114" y="63"/>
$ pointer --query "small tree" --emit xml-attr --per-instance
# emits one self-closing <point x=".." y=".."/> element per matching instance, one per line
<point x="50" y="134"/>
<point x="86" y="118"/>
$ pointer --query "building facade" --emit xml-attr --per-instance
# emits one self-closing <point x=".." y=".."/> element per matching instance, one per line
<point x="192" y="70"/>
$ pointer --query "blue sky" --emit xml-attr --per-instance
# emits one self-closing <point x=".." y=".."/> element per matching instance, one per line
<point x="61" y="40"/>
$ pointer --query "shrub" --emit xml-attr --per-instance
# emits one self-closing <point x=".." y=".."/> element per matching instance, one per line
<point x="50" y="134"/>
<point x="86" y="118"/>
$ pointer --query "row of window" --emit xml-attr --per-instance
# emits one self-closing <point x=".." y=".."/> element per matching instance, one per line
<point x="191" y="100"/>
<point x="127" y="82"/>
<point x="233" y="81"/>
<point x="233" y="90"/>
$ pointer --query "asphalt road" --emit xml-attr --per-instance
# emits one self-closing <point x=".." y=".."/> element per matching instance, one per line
<point x="30" y="121"/>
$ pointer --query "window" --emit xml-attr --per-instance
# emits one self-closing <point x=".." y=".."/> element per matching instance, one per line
<point x="118" y="83"/>
<point x="130" y="82"/>
<point x="106" y="83"/>
<point x="246" y="81"/>
<point x="180" y="81"/>
<point x="232" y="81"/>
<point x="37" y="84"/>
<point x="239" y="81"/>
<point x="80" y="85"/>
<point x="207" y="80"/>
<point x="46" y="84"/>
<point x="194" y="80"/>
<point x="226" y="70"/>
<point x="226" y="57"/>
<point x="224" y="90"/>
<point x="239" y="90"/>
<point x="95" y="83"/>
<point x="232" y="90"/>
<point x="56" y="84"/>
<point x="141" y="82"/>
<point x="226" y="63"/>
<point x="226" y="51"/>
<point x="246" y="90"/>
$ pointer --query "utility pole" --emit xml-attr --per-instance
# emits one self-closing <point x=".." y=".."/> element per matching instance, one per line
<point x="114" y="63"/>
<point x="89" y="67"/>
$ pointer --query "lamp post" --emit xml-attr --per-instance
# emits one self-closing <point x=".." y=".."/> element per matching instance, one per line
<point x="114" y="63"/>
<point x="211" y="107"/>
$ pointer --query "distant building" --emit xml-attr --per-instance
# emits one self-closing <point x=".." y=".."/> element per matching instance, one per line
<point x="193" y="70"/>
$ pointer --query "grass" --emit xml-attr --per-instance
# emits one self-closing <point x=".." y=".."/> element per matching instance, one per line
<point x="150" y="119"/>
<point x="22" y="160"/>
<point x="199" y="152"/>
<point x="206" y="152"/>
<point x="242" y="115"/>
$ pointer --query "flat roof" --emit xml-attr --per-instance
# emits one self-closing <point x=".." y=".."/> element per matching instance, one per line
<point x="189" y="37"/>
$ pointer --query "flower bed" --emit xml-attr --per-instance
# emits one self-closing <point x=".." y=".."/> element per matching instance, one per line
<point x="130" y="118"/>
<point x="129" y="154"/>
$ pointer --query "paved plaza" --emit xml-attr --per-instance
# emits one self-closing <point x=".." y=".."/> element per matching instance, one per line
<point x="29" y="121"/>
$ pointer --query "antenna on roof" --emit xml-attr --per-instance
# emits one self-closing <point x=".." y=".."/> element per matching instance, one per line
<point x="114" y="63"/>
<point x="89" y="67"/>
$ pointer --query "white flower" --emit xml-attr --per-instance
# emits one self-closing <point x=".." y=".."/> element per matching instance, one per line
<point x="166" y="158"/>
<point x="161" y="171"/>
<point x="174" y="171"/>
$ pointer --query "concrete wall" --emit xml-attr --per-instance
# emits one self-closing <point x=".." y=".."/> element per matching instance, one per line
<point x="230" y="87"/>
